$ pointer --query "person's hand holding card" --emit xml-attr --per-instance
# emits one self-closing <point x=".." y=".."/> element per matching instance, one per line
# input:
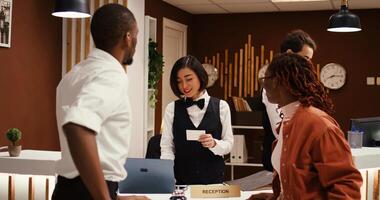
<point x="207" y="141"/>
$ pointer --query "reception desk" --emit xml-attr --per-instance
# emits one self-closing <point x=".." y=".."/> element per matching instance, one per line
<point x="33" y="174"/>
<point x="367" y="160"/>
<point x="29" y="176"/>
<point x="244" y="195"/>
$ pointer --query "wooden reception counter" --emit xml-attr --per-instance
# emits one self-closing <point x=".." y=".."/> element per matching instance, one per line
<point x="34" y="172"/>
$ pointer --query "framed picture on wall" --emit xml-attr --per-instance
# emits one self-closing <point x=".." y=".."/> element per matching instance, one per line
<point x="5" y="23"/>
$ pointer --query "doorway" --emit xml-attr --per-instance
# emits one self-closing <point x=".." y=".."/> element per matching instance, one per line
<point x="174" y="46"/>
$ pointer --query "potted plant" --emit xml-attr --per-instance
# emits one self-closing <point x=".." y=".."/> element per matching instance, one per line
<point x="14" y="135"/>
<point x="156" y="68"/>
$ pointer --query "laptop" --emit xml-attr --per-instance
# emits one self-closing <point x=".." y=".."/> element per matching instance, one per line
<point x="148" y="176"/>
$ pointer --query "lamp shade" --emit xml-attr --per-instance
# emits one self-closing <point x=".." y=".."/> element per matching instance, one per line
<point x="71" y="9"/>
<point x="344" y="21"/>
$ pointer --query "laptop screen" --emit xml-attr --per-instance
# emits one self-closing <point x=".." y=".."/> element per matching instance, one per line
<point x="148" y="176"/>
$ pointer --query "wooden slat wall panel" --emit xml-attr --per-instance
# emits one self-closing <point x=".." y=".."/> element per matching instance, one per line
<point x="226" y="58"/>
<point x="225" y="81"/>
<point x="87" y="37"/>
<point x="245" y="68"/>
<point x="364" y="188"/>
<point x="230" y="80"/>
<point x="31" y="189"/>
<point x="376" y="182"/>
<point x="240" y="72"/>
<point x="249" y="46"/>
<point x="217" y="61"/>
<point x="11" y="188"/>
<point x="69" y="44"/>
<point x="256" y="73"/>
<point x="78" y="40"/>
<point x="246" y="64"/>
<point x="270" y="56"/>
<point x="253" y="79"/>
<point x="236" y="58"/>
<point x="97" y="4"/>
<point x="225" y="86"/>
<point x="47" y="195"/>
<point x="262" y="56"/>
<point x="221" y="74"/>
<point x="248" y="77"/>
<point x="318" y="71"/>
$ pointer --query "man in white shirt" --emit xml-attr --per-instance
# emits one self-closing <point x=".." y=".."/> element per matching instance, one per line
<point x="93" y="111"/>
<point x="298" y="42"/>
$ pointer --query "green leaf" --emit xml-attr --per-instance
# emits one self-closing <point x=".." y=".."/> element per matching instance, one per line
<point x="156" y="68"/>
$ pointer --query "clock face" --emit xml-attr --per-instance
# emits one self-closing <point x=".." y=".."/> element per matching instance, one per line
<point x="333" y="76"/>
<point x="212" y="73"/>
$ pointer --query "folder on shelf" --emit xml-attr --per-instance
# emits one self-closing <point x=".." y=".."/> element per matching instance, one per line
<point x="233" y="152"/>
<point x="239" y="150"/>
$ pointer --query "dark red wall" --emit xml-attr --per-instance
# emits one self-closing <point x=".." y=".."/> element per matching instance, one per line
<point x="357" y="52"/>
<point x="159" y="9"/>
<point x="29" y="73"/>
<point x="31" y="69"/>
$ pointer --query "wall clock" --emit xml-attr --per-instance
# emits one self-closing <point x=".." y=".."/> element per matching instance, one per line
<point x="212" y="73"/>
<point x="333" y="76"/>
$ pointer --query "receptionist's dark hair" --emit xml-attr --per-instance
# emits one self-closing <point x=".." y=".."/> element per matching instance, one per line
<point x="192" y="63"/>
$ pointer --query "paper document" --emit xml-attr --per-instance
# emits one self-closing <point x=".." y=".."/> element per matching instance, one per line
<point x="194" y="135"/>
<point x="254" y="181"/>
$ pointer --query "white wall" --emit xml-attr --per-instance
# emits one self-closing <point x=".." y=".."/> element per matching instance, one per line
<point x="136" y="82"/>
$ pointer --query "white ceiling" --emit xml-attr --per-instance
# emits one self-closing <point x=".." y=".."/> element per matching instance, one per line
<point x="251" y="6"/>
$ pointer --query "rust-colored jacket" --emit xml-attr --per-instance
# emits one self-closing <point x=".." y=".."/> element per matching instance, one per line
<point x="316" y="160"/>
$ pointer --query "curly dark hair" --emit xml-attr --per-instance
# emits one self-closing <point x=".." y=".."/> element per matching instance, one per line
<point x="300" y="78"/>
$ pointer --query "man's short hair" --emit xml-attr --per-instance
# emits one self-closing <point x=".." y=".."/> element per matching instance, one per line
<point x="295" y="40"/>
<point x="109" y="24"/>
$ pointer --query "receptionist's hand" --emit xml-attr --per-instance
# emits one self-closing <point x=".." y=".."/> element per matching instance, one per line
<point x="133" y="197"/>
<point x="207" y="140"/>
<point x="261" y="196"/>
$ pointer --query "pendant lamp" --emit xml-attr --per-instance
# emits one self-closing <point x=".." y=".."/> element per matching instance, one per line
<point x="71" y="9"/>
<point x="344" y="20"/>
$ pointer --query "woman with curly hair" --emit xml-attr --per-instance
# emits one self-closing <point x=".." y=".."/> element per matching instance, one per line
<point x="311" y="158"/>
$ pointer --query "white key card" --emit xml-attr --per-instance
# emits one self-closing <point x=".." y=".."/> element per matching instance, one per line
<point x="194" y="135"/>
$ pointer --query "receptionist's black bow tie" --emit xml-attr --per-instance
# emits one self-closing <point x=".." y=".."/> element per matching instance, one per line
<point x="200" y="103"/>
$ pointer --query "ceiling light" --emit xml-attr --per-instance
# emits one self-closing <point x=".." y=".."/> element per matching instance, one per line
<point x="71" y="9"/>
<point x="344" y="20"/>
